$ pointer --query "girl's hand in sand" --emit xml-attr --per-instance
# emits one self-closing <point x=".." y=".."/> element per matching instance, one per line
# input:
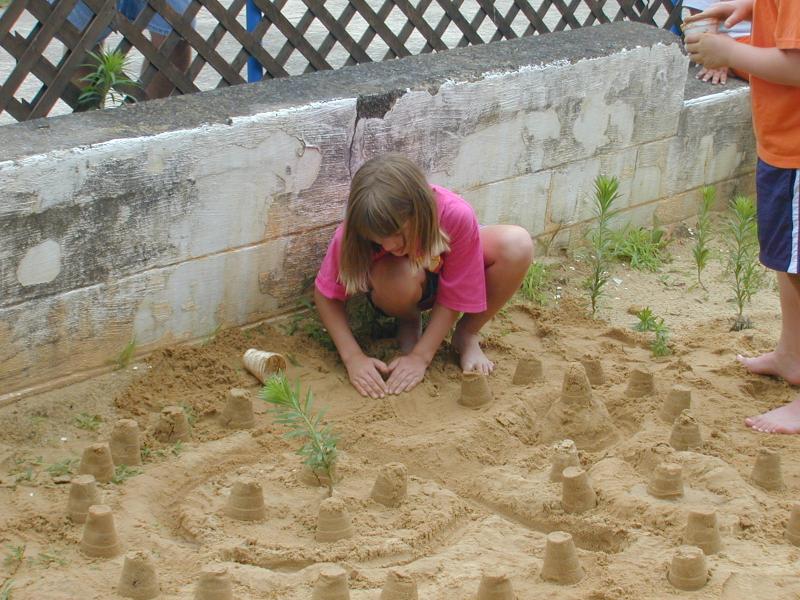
<point x="365" y="375"/>
<point x="407" y="371"/>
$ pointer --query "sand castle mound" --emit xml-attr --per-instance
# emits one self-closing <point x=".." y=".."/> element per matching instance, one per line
<point x="578" y="416"/>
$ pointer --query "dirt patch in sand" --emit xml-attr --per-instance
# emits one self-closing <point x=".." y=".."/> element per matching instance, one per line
<point x="433" y="496"/>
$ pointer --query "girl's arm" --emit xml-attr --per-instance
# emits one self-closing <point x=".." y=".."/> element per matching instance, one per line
<point x="364" y="371"/>
<point x="408" y="371"/>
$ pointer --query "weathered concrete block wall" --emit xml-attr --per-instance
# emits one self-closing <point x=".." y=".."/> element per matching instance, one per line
<point x="163" y="221"/>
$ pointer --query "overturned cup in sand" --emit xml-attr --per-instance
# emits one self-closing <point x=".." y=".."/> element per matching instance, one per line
<point x="96" y="460"/>
<point x="391" y="484"/>
<point x="793" y="526"/>
<point x="529" y="370"/>
<point x="238" y="411"/>
<point x="333" y="522"/>
<point x="561" y="564"/>
<point x="214" y="584"/>
<point x="678" y="400"/>
<point x="400" y="585"/>
<point x="594" y="369"/>
<point x="100" y="533"/>
<point x="688" y="570"/>
<point x="475" y="390"/>
<point x="767" y="472"/>
<point x="173" y="425"/>
<point x="565" y="454"/>
<point x="640" y="384"/>
<point x="685" y="434"/>
<point x="125" y="443"/>
<point x="331" y="584"/>
<point x="702" y="530"/>
<point x="83" y="493"/>
<point x="577" y="494"/>
<point x="667" y="481"/>
<point x="246" y="501"/>
<point x="495" y="585"/>
<point x="139" y="579"/>
<point x="263" y="364"/>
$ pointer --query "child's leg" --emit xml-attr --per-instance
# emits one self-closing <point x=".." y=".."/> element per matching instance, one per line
<point x="783" y="362"/>
<point x="507" y="254"/>
<point x="396" y="290"/>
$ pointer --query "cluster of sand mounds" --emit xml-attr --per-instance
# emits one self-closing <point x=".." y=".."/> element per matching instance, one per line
<point x="582" y="467"/>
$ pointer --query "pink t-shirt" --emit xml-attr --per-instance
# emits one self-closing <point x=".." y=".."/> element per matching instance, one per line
<point x="462" y="283"/>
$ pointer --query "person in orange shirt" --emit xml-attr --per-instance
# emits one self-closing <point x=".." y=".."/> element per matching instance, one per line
<point x="773" y="61"/>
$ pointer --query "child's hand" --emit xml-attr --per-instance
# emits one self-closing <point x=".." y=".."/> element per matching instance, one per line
<point x="715" y="76"/>
<point x="710" y="49"/>
<point x="730" y="12"/>
<point x="407" y="371"/>
<point x="365" y="375"/>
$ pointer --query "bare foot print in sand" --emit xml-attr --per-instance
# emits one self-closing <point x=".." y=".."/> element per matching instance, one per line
<point x="773" y="363"/>
<point x="469" y="349"/>
<point x="408" y="334"/>
<point x="784" y="419"/>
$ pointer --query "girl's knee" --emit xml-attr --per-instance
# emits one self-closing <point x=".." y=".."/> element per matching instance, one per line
<point x="516" y="245"/>
<point x="396" y="288"/>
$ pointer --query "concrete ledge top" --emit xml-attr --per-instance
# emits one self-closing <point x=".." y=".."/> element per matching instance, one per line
<point x="427" y="71"/>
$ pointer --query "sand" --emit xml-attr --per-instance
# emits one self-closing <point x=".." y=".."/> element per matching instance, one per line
<point x="473" y="496"/>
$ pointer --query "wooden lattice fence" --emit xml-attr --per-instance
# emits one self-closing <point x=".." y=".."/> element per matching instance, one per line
<point x="45" y="55"/>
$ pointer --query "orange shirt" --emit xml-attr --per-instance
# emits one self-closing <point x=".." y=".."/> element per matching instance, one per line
<point x="776" y="108"/>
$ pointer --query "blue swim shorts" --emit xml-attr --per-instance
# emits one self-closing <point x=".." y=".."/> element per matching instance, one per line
<point x="778" y="193"/>
<point x="82" y="14"/>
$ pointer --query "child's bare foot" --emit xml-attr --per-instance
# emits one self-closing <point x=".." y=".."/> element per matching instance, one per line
<point x="469" y="349"/>
<point x="774" y="363"/>
<point x="785" y="419"/>
<point x="408" y="334"/>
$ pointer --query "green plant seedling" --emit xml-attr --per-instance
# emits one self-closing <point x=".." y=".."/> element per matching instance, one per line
<point x="647" y="320"/>
<point x="126" y="354"/>
<point x="6" y="590"/>
<point x="50" y="557"/>
<point x="122" y="473"/>
<point x="660" y="345"/>
<point x="62" y="467"/>
<point x="176" y="448"/>
<point x="15" y="556"/>
<point x="105" y="85"/>
<point x="88" y="422"/>
<point x="298" y="416"/>
<point x="642" y="248"/>
<point x="534" y="283"/>
<point x="747" y="275"/>
<point x="191" y="413"/>
<point x="700" y="251"/>
<point x="606" y="191"/>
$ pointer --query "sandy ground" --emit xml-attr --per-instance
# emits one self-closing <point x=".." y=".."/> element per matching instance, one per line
<point x="479" y="496"/>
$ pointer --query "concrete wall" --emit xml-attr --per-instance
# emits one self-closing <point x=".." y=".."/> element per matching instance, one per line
<point x="167" y="220"/>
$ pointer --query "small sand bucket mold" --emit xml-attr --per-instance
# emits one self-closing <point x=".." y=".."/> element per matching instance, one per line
<point x="263" y="364"/>
<point x="561" y="564"/>
<point x="139" y="579"/>
<point x="399" y="586"/>
<point x="495" y="585"/>
<point x="214" y="584"/>
<point x="331" y="584"/>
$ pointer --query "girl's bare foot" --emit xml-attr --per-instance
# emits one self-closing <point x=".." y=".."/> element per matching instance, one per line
<point x="469" y="350"/>
<point x="785" y="419"/>
<point x="774" y="363"/>
<point x="408" y="334"/>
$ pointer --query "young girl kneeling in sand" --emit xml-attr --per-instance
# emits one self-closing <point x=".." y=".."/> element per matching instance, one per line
<point x="412" y="246"/>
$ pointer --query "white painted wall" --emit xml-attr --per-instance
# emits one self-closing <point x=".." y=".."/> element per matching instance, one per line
<point x="166" y="237"/>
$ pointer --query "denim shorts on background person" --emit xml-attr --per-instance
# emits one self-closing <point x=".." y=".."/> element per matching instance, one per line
<point x="82" y="14"/>
<point x="778" y="210"/>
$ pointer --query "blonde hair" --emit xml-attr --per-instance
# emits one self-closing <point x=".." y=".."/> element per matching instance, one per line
<point x="387" y="192"/>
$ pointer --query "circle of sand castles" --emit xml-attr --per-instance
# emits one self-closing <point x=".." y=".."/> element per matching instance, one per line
<point x="400" y="585"/>
<point x="528" y="370"/>
<point x="667" y="481"/>
<point x="685" y="434"/>
<point x="561" y="564"/>
<point x="391" y="485"/>
<point x="331" y="584"/>
<point x="214" y="583"/>
<point x="640" y="384"/>
<point x="702" y="530"/>
<point x="96" y="460"/>
<point x="83" y="493"/>
<point x="767" y="472"/>
<point x="578" y="416"/>
<point x="333" y="522"/>
<point x="100" y="533"/>
<point x="172" y="426"/>
<point x="495" y="585"/>
<point x="565" y="454"/>
<point x="678" y="400"/>
<point x="577" y="494"/>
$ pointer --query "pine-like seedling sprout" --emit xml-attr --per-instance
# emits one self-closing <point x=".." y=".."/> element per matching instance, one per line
<point x="701" y="251"/>
<point x="606" y="191"/>
<point x="105" y="85"/>
<point x="297" y="415"/>
<point x="742" y="241"/>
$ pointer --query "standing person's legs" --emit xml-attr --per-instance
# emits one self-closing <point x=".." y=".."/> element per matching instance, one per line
<point x="507" y="252"/>
<point x="160" y="86"/>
